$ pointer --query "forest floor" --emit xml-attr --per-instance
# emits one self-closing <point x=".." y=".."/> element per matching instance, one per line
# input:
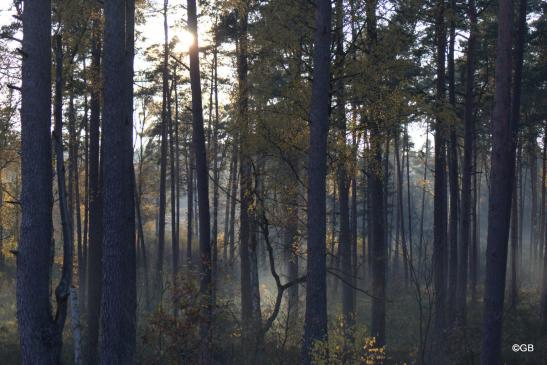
<point x="282" y="343"/>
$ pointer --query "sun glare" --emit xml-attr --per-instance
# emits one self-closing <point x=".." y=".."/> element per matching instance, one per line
<point x="184" y="40"/>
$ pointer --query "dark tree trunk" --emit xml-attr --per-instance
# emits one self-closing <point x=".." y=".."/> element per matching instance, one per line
<point x="118" y="309"/>
<point x="190" y="202"/>
<point x="501" y="187"/>
<point x="513" y="291"/>
<point x="216" y="174"/>
<point x="377" y="182"/>
<point x="440" y="201"/>
<point x="233" y="194"/>
<point x="198" y="141"/>
<point x="315" y="325"/>
<point x="250" y="299"/>
<point x="400" y="206"/>
<point x="173" y="185"/>
<point x="421" y="249"/>
<point x="74" y="180"/>
<point x="532" y="162"/>
<point x="291" y="241"/>
<point x="474" y="263"/>
<point x="467" y="169"/>
<point x="95" y="251"/>
<point x="165" y="116"/>
<point x="228" y="203"/>
<point x="452" y="171"/>
<point x="342" y="175"/>
<point x="141" y="242"/>
<point x="35" y="246"/>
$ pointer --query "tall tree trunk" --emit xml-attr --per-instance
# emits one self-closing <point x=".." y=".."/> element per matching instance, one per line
<point x="250" y="304"/>
<point x="467" y="169"/>
<point x="501" y="187"/>
<point x="198" y="140"/>
<point x="377" y="181"/>
<point x="118" y="309"/>
<point x="400" y="205"/>
<point x="95" y="251"/>
<point x="315" y="324"/>
<point x="144" y="255"/>
<point x="216" y="174"/>
<point x="474" y="265"/>
<point x="165" y="116"/>
<point x="63" y="289"/>
<point x="409" y="198"/>
<point x="422" y="210"/>
<point x="291" y="239"/>
<point x="173" y="186"/>
<point x="532" y="162"/>
<point x="517" y="86"/>
<point x="227" y="210"/>
<point x="190" y="202"/>
<point x="233" y="193"/>
<point x="342" y="174"/>
<point x="513" y="294"/>
<point x="440" y="201"/>
<point x="40" y="333"/>
<point x="452" y="171"/>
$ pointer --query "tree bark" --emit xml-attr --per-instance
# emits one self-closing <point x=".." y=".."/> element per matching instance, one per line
<point x="467" y="169"/>
<point x="95" y="251"/>
<point x="165" y="116"/>
<point x="440" y="191"/>
<point x="198" y="141"/>
<point x="453" y="183"/>
<point x="501" y="187"/>
<point x="118" y="306"/>
<point x="315" y="324"/>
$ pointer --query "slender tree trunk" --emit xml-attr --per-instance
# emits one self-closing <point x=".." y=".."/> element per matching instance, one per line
<point x="190" y="203"/>
<point x="422" y="211"/>
<point x="144" y="255"/>
<point x="165" y="116"/>
<point x="467" y="169"/>
<point x="227" y="210"/>
<point x="400" y="206"/>
<point x="342" y="174"/>
<point x="315" y="324"/>
<point x="216" y="175"/>
<point x="95" y="251"/>
<point x="514" y="247"/>
<point x="440" y="201"/>
<point x="63" y="289"/>
<point x="85" y="237"/>
<point x="250" y="304"/>
<point x="233" y="193"/>
<point x="453" y="263"/>
<point x="409" y="198"/>
<point x="377" y="181"/>
<point x="474" y="265"/>
<point x="532" y="162"/>
<point x="198" y="140"/>
<point x="173" y="186"/>
<point x="501" y="187"/>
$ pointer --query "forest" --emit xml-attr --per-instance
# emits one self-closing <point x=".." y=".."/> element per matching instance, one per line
<point x="273" y="182"/>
